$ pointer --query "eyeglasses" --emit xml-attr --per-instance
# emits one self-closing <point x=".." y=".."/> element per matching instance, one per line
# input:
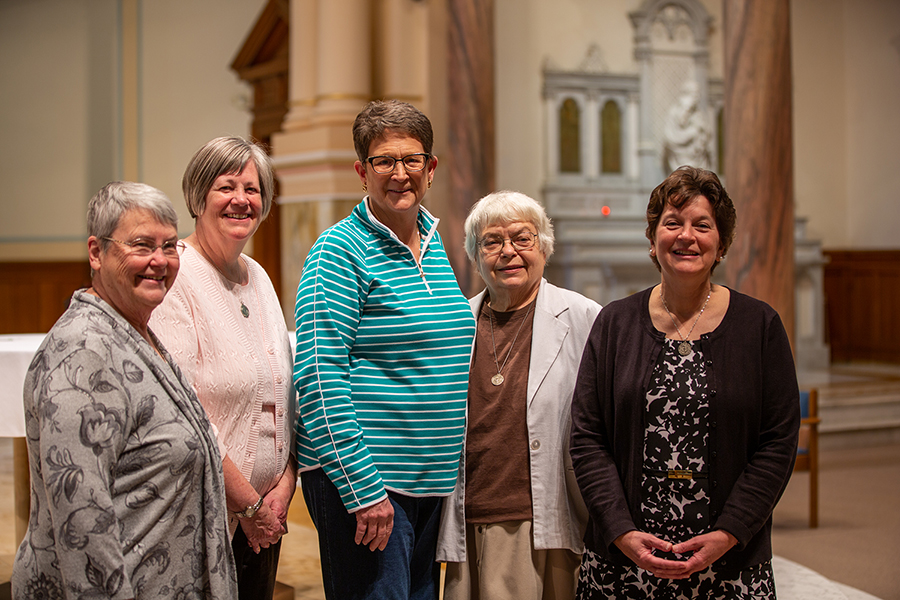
<point x="143" y="248"/>
<point x="386" y="164"/>
<point x="493" y="244"/>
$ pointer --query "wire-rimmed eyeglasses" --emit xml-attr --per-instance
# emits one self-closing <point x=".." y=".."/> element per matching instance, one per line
<point x="385" y="164"/>
<point x="493" y="244"/>
<point x="143" y="248"/>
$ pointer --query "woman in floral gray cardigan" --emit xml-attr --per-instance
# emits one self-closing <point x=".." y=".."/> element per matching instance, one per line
<point x="127" y="496"/>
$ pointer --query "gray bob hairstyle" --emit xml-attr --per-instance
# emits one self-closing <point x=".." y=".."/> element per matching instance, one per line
<point x="109" y="205"/>
<point x="502" y="208"/>
<point x="224" y="156"/>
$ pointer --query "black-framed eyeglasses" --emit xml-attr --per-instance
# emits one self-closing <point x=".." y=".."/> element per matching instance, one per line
<point x="143" y="248"/>
<point x="386" y="164"/>
<point x="493" y="244"/>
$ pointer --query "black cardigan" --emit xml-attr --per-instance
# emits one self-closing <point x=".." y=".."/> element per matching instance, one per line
<point x="753" y="423"/>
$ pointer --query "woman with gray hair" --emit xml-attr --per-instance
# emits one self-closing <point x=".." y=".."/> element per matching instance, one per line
<point x="224" y="325"/>
<point x="513" y="526"/>
<point x="127" y="493"/>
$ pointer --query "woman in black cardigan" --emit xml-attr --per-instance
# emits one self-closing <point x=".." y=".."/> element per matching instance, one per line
<point x="685" y="418"/>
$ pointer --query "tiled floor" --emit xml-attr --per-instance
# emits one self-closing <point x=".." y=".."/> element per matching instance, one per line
<point x="299" y="566"/>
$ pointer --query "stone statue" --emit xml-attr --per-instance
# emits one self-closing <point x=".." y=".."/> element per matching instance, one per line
<point x="688" y="134"/>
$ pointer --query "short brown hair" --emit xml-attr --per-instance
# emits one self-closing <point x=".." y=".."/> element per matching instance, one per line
<point x="224" y="156"/>
<point x="379" y="115"/>
<point x="685" y="184"/>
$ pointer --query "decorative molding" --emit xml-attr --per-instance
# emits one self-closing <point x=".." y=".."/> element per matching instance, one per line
<point x="593" y="62"/>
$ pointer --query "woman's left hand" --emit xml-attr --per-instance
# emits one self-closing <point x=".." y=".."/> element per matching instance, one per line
<point x="706" y="548"/>
<point x="262" y="529"/>
<point x="278" y="505"/>
<point x="279" y="497"/>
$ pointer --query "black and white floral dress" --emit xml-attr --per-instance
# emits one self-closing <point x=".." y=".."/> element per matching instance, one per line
<point x="675" y="438"/>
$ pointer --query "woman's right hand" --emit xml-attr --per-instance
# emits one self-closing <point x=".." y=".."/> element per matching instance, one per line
<point x="374" y="525"/>
<point x="262" y="529"/>
<point x="639" y="547"/>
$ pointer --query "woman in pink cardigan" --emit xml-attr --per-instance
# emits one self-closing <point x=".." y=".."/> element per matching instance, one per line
<point x="223" y="324"/>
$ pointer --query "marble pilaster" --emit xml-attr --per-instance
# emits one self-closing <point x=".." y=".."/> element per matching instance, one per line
<point x="758" y="151"/>
<point x="302" y="64"/>
<point x="330" y="81"/>
<point x="399" y="45"/>
<point x="471" y="125"/>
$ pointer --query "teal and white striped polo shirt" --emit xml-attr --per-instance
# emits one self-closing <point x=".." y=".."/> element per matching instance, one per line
<point x="382" y="361"/>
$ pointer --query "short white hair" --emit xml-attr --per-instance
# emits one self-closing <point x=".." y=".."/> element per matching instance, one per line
<point x="502" y="208"/>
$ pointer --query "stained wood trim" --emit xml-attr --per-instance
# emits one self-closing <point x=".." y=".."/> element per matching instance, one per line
<point x="861" y="292"/>
<point x="33" y="295"/>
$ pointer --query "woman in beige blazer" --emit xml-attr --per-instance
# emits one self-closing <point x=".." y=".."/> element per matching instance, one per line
<point x="513" y="526"/>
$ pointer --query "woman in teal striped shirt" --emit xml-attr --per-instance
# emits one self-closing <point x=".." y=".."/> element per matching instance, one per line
<point x="384" y="336"/>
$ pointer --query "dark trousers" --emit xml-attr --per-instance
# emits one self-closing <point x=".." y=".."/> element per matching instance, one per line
<point x="405" y="570"/>
<point x="255" y="572"/>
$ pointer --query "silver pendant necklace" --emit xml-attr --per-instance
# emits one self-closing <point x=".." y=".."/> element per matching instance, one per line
<point x="244" y="310"/>
<point x="684" y="348"/>
<point x="498" y="378"/>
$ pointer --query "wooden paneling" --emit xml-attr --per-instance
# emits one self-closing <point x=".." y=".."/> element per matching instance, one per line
<point x="862" y="295"/>
<point x="33" y="295"/>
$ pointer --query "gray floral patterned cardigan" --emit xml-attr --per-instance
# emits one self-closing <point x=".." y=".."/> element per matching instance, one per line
<point x="127" y="495"/>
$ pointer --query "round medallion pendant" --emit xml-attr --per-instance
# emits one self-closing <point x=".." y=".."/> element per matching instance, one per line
<point x="684" y="348"/>
<point x="497" y="379"/>
<point x="245" y="311"/>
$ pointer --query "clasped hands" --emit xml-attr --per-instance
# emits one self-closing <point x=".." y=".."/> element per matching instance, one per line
<point x="269" y="523"/>
<point x="706" y="548"/>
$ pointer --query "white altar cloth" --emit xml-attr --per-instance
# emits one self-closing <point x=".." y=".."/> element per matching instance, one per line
<point x="16" y="352"/>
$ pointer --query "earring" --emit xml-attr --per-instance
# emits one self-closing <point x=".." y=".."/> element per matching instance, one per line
<point x="365" y="187"/>
<point x="429" y="183"/>
<point x="651" y="252"/>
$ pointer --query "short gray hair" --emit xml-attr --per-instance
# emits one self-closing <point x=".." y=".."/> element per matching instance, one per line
<point x="116" y="198"/>
<point x="224" y="156"/>
<point x="379" y="115"/>
<point x="502" y="208"/>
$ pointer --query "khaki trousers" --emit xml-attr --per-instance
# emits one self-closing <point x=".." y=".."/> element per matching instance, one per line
<point x="503" y="564"/>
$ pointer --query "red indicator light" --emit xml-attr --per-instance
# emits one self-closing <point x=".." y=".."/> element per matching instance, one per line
<point x="605" y="211"/>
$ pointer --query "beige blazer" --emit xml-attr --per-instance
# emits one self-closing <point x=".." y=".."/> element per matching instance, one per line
<point x="562" y="322"/>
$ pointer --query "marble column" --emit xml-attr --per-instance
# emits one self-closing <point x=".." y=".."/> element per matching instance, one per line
<point x="471" y="135"/>
<point x="344" y="73"/>
<point x="758" y="151"/>
<point x="399" y="46"/>
<point x="302" y="64"/>
<point x="330" y="81"/>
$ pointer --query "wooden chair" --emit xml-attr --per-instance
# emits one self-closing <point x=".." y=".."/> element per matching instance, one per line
<point x="808" y="449"/>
